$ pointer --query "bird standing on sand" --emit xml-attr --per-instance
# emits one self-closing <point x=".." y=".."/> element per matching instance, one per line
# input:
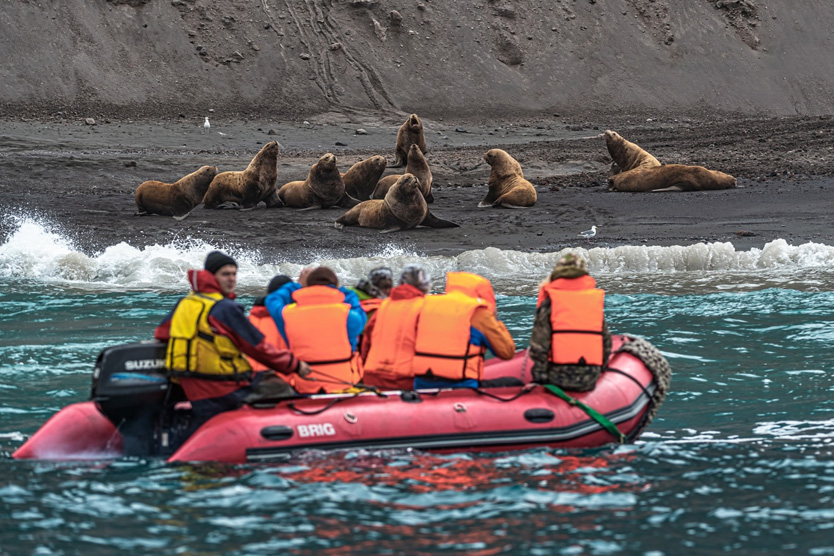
<point x="206" y="125"/>
<point x="588" y="234"/>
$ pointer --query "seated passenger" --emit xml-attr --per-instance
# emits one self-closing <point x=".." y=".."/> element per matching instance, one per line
<point x="454" y="332"/>
<point x="208" y="335"/>
<point x="261" y="319"/>
<point x="373" y="289"/>
<point x="388" y="341"/>
<point x="570" y="342"/>
<point x="321" y="324"/>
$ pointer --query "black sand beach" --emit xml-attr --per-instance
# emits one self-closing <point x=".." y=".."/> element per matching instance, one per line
<point x="82" y="177"/>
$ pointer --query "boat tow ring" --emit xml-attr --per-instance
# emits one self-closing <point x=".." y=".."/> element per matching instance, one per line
<point x="459" y="407"/>
<point x="350" y="417"/>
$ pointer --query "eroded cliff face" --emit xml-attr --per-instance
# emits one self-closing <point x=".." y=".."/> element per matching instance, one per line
<point x="437" y="58"/>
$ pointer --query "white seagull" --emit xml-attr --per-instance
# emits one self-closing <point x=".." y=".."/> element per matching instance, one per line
<point x="588" y="234"/>
<point x="206" y="125"/>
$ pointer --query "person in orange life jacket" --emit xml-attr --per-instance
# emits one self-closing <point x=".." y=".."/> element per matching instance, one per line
<point x="206" y="348"/>
<point x="454" y="332"/>
<point x="387" y="344"/>
<point x="321" y="324"/>
<point x="261" y="319"/>
<point x="570" y="343"/>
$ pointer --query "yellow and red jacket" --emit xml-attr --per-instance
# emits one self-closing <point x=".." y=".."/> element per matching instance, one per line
<point x="389" y="360"/>
<point x="576" y="319"/>
<point x="316" y="330"/>
<point x="442" y="344"/>
<point x="195" y="350"/>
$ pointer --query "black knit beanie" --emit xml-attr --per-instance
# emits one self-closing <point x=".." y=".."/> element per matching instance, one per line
<point x="277" y="281"/>
<point x="217" y="260"/>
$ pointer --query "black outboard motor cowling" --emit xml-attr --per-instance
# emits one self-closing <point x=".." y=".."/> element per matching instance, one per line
<point x="131" y="388"/>
<point x="129" y="377"/>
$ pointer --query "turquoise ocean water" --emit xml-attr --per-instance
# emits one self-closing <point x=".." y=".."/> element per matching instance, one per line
<point x="739" y="459"/>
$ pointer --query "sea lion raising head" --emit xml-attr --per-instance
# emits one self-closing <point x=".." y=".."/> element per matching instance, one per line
<point x="323" y="187"/>
<point x="361" y="179"/>
<point x="418" y="166"/>
<point x="403" y="207"/>
<point x="627" y="155"/>
<point x="507" y="186"/>
<point x="410" y="133"/>
<point x="244" y="190"/>
<point x="176" y="199"/>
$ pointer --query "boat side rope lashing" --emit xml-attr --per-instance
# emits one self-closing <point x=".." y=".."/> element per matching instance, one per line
<point x="526" y="389"/>
<point x="646" y="393"/>
<point x="592" y="413"/>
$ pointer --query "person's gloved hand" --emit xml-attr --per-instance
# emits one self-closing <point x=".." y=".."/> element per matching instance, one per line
<point x="304" y="369"/>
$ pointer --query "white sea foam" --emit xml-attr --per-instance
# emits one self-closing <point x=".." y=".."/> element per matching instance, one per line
<point x="37" y="251"/>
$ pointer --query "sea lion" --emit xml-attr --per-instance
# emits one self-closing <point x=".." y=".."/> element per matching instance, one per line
<point x="244" y="190"/>
<point x="507" y="186"/>
<point x="403" y="208"/>
<point x="410" y="133"/>
<point x="418" y="166"/>
<point x="627" y="155"/>
<point x="323" y="188"/>
<point x="176" y="199"/>
<point x="361" y="179"/>
<point x="671" y="177"/>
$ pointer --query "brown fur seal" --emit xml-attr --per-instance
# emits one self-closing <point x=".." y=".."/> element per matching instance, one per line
<point x="176" y="199"/>
<point x="507" y="186"/>
<point x="418" y="166"/>
<point x="323" y="188"/>
<point x="410" y="133"/>
<point x="361" y="179"/>
<point x="627" y="155"/>
<point x="403" y="208"/>
<point x="671" y="177"/>
<point x="246" y="189"/>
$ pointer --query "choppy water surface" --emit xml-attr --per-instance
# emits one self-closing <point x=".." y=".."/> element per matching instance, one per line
<point x="738" y="460"/>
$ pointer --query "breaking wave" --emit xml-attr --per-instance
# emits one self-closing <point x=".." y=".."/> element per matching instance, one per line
<point x="37" y="251"/>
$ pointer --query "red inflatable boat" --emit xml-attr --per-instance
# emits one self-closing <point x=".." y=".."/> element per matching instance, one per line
<point x="129" y="379"/>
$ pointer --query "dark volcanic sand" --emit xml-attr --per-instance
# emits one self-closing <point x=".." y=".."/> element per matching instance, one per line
<point x="82" y="178"/>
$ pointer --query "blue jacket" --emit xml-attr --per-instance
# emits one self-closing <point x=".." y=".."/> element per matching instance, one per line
<point x="280" y="298"/>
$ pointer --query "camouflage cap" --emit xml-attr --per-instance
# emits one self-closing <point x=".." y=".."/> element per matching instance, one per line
<point x="569" y="265"/>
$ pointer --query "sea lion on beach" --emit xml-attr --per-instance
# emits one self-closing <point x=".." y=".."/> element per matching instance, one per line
<point x="176" y="199"/>
<point x="410" y="133"/>
<point x="244" y="190"/>
<point x="403" y="208"/>
<point x="418" y="166"/>
<point x="361" y="179"/>
<point x="507" y="186"/>
<point x="671" y="177"/>
<point x="627" y="155"/>
<point x="323" y="188"/>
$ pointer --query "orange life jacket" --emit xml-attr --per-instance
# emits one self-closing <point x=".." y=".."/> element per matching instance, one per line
<point x="263" y="321"/>
<point x="576" y="317"/>
<point x="389" y="361"/>
<point x="316" y="329"/>
<point x="370" y="305"/>
<point x="442" y="347"/>
<point x="471" y="285"/>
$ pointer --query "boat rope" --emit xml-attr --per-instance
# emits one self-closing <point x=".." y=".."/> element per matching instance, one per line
<point x="292" y="407"/>
<point x="333" y="380"/>
<point x="592" y="413"/>
<point x="526" y="389"/>
<point x="651" y="403"/>
<point x="660" y="370"/>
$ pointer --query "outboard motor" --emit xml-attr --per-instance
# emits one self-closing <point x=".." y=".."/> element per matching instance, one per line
<point x="131" y="388"/>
